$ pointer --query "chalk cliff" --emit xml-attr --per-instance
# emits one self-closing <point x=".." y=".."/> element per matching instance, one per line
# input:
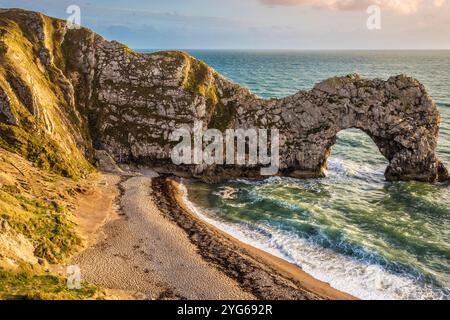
<point x="66" y="92"/>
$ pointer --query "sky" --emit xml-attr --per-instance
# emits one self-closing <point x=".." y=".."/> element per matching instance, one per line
<point x="259" y="24"/>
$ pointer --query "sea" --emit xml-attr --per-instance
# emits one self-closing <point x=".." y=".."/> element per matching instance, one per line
<point x="352" y="229"/>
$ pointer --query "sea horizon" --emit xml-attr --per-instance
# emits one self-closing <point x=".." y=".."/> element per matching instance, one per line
<point x="279" y="49"/>
<point x="283" y="151"/>
<point x="306" y="222"/>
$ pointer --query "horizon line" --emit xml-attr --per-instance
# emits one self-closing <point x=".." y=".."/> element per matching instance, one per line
<point x="282" y="49"/>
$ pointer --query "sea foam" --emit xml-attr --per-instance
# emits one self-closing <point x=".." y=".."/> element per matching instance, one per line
<point x="354" y="276"/>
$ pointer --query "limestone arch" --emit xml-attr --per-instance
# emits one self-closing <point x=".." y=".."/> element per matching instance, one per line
<point x="397" y="114"/>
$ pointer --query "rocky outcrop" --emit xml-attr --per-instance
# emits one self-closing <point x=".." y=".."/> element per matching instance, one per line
<point x="109" y="97"/>
<point x="14" y="247"/>
<point x="38" y="116"/>
<point x="5" y="109"/>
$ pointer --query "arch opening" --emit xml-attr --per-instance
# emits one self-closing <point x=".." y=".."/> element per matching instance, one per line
<point x="355" y="153"/>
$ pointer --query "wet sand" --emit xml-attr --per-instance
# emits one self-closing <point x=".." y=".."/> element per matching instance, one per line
<point x="144" y="243"/>
<point x="264" y="275"/>
<point x="140" y="251"/>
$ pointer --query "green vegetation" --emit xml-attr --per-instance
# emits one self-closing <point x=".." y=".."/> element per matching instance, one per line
<point x="42" y="151"/>
<point x="223" y="117"/>
<point x="201" y="79"/>
<point x="32" y="284"/>
<point x="198" y="77"/>
<point x="50" y="133"/>
<point x="34" y="205"/>
<point x="45" y="224"/>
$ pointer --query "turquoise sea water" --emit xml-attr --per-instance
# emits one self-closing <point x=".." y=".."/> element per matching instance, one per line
<point x="370" y="238"/>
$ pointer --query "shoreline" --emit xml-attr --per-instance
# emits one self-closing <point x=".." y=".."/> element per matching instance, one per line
<point x="143" y="242"/>
<point x="242" y="261"/>
<point x="139" y="254"/>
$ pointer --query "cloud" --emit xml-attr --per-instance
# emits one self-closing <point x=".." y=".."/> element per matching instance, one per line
<point x="397" y="6"/>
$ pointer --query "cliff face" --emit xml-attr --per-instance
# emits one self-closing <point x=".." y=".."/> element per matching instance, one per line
<point x="38" y="115"/>
<point x="70" y="91"/>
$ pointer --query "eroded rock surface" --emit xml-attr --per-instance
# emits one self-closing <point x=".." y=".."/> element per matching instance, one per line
<point x="129" y="103"/>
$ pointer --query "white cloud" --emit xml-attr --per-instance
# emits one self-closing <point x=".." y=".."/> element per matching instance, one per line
<point x="397" y="6"/>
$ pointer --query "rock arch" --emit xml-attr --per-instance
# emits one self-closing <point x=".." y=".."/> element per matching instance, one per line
<point x="111" y="98"/>
<point x="397" y="114"/>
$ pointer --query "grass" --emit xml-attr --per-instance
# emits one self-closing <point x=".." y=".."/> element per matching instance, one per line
<point x="32" y="284"/>
<point x="53" y="137"/>
<point x="200" y="79"/>
<point x="45" y="224"/>
<point x="197" y="77"/>
<point x="42" y="151"/>
<point x="35" y="203"/>
<point x="52" y="134"/>
<point x="223" y="117"/>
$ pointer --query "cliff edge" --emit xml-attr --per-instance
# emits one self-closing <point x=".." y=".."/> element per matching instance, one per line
<point x="66" y="92"/>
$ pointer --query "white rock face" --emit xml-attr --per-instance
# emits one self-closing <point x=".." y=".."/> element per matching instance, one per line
<point x="397" y="114"/>
<point x="128" y="104"/>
